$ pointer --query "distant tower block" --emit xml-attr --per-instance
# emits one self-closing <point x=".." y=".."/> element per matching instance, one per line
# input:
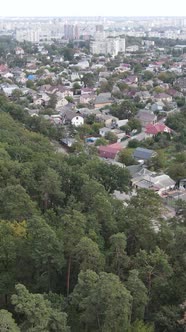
<point x="99" y="28"/>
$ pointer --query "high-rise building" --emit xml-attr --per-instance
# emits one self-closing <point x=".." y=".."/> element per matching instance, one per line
<point x="71" y="31"/>
<point x="99" y="28"/>
<point x="110" y="46"/>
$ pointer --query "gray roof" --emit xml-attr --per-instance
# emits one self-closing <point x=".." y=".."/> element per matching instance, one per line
<point x="145" y="115"/>
<point x="143" y="154"/>
<point x="104" y="129"/>
<point x="103" y="98"/>
<point x="133" y="169"/>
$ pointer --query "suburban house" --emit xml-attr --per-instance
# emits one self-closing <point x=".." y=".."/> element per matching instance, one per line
<point x="154" y="129"/>
<point x="163" y="97"/>
<point x="142" y="154"/>
<point x="108" y="120"/>
<point x="87" y="98"/>
<point x="131" y="80"/>
<point x="146" y="117"/>
<point x="158" y="106"/>
<point x="3" y="69"/>
<point x="109" y="151"/>
<point x="72" y="117"/>
<point x="143" y="95"/>
<point x="103" y="131"/>
<point x="143" y="178"/>
<point x="103" y="99"/>
<point x="8" y="88"/>
<point x="174" y="93"/>
<point x="181" y="84"/>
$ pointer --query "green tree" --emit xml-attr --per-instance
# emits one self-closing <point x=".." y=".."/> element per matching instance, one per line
<point x="125" y="110"/>
<point x="50" y="189"/>
<point x="139" y="295"/>
<point x="106" y="305"/>
<point x="7" y="323"/>
<point x="112" y="177"/>
<point x="111" y="137"/>
<point x="117" y="256"/>
<point x="15" y="203"/>
<point x="37" y="313"/>
<point x="73" y="229"/>
<point x="46" y="252"/>
<point x="126" y="158"/>
<point x="153" y="265"/>
<point x="88" y="255"/>
<point x="30" y="84"/>
<point x="101" y="141"/>
<point x="140" y="326"/>
<point x="52" y="102"/>
<point x="9" y="244"/>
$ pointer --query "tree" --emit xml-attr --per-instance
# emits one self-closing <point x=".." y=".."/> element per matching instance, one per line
<point x="105" y="305"/>
<point x="69" y="99"/>
<point x="89" y="80"/>
<point x="139" y="295"/>
<point x="30" y="84"/>
<point x="157" y="162"/>
<point x="7" y="323"/>
<point x="8" y="253"/>
<point x="52" y="102"/>
<point x="111" y="137"/>
<point x="88" y="255"/>
<point x="117" y="256"/>
<point x="15" y="203"/>
<point x="134" y="124"/>
<point x="125" y="157"/>
<point x="148" y="75"/>
<point x="50" y="189"/>
<point x="112" y="177"/>
<point x="153" y="265"/>
<point x="140" y="326"/>
<point x="125" y="110"/>
<point x="73" y="229"/>
<point x="101" y="141"/>
<point x="37" y="313"/>
<point x="46" y="252"/>
<point x="140" y="218"/>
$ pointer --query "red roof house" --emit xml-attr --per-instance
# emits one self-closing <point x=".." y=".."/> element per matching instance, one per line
<point x="3" y="69"/>
<point x="109" y="151"/>
<point x="154" y="129"/>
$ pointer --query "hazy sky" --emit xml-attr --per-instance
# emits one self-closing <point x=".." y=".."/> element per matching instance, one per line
<point x="93" y="8"/>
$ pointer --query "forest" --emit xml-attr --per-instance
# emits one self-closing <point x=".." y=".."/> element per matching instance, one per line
<point x="72" y="256"/>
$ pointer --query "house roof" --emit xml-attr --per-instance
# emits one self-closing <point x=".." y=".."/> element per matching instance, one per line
<point x="162" y="96"/>
<point x="116" y="147"/>
<point x="105" y="129"/>
<point x="134" y="169"/>
<point x="145" y="115"/>
<point x="143" y="154"/>
<point x="103" y="98"/>
<point x="156" y="128"/>
<point x="69" y="115"/>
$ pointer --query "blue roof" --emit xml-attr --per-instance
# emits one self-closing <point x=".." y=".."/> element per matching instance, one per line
<point x="143" y="154"/>
<point x="91" y="139"/>
<point x="31" y="77"/>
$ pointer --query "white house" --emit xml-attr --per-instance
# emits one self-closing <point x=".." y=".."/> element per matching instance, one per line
<point x="77" y="121"/>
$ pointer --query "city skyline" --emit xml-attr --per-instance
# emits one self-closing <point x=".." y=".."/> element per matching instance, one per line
<point x="143" y="8"/>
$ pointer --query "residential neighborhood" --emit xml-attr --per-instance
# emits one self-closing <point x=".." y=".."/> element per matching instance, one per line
<point x="113" y="103"/>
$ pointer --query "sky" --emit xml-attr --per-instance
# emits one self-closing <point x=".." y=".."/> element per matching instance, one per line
<point x="93" y="8"/>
